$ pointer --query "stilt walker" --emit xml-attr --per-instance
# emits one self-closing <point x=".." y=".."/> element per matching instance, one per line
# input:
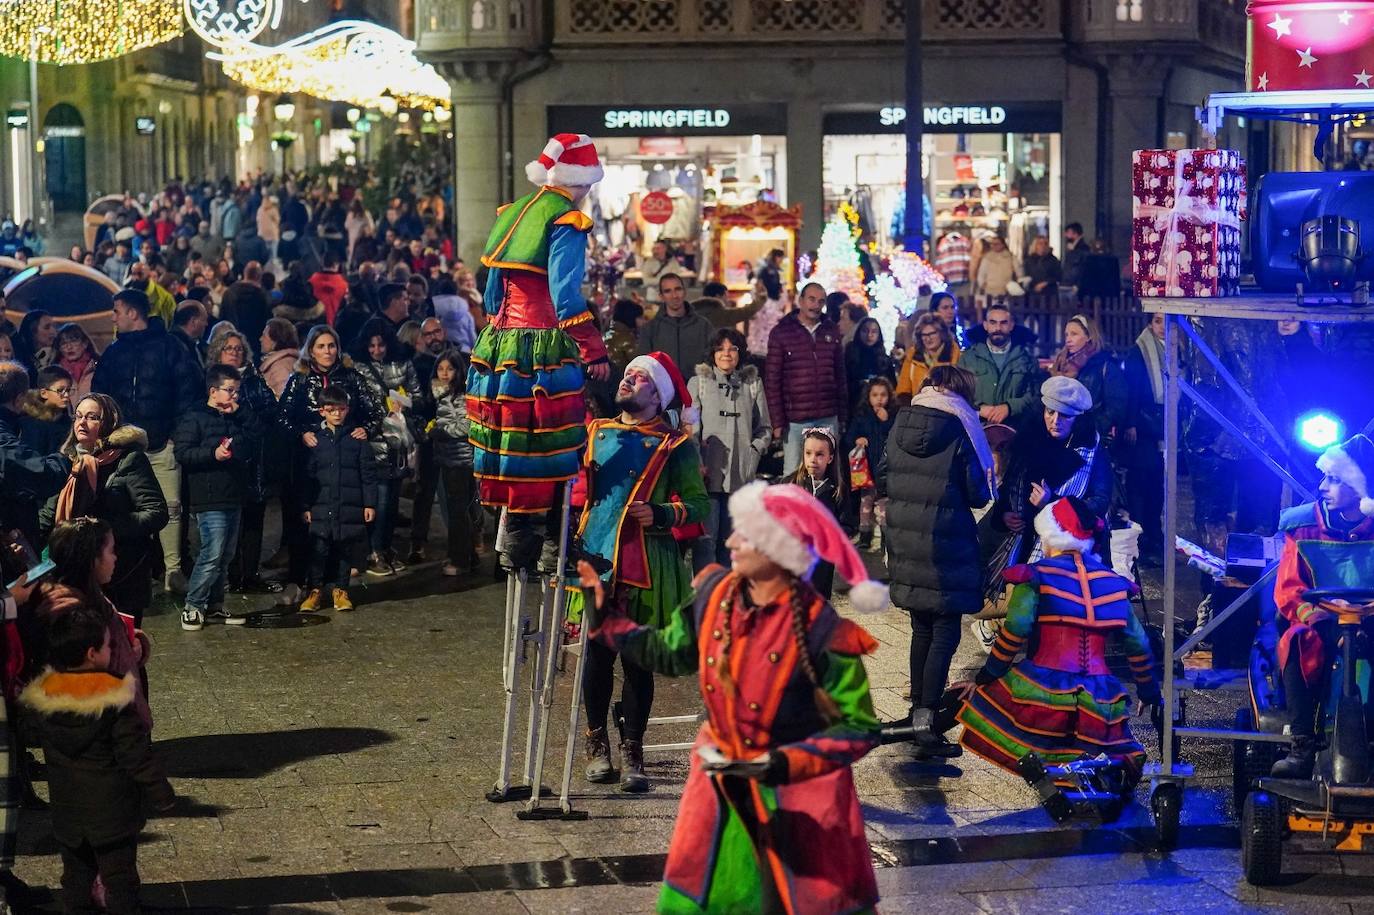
<point x="643" y="479"/>
<point x="525" y="400"/>
<point x="769" y="821"/>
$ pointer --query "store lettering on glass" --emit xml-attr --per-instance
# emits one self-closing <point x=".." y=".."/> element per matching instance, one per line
<point x="623" y="119"/>
<point x="946" y="115"/>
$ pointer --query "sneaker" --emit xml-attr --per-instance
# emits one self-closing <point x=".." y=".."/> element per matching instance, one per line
<point x="376" y="565"/>
<point x="416" y="555"/>
<point x="174" y="583"/>
<point x="221" y="615"/>
<point x="396" y="564"/>
<point x="986" y="631"/>
<point x="192" y="620"/>
<point x="311" y="602"/>
<point x="342" y="602"/>
<point x="450" y="570"/>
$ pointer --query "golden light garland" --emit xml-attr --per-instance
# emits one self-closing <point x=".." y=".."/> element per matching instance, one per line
<point x="85" y="31"/>
<point x="359" y="63"/>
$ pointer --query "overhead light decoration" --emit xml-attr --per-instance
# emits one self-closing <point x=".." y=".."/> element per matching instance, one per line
<point x="350" y="61"/>
<point x="284" y="108"/>
<point x="85" y="31"/>
<point x="1319" y="430"/>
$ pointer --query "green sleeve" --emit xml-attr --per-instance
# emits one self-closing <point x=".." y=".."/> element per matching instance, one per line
<point x="1016" y="629"/>
<point x="671" y="650"/>
<point x="846" y="680"/>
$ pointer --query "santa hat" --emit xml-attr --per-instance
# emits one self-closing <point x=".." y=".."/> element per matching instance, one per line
<point x="791" y="527"/>
<point x="1067" y="525"/>
<point x="568" y="160"/>
<point x="1353" y="461"/>
<point x="672" y="390"/>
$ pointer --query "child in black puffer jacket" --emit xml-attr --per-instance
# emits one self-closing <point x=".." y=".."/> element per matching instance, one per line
<point x="873" y="419"/>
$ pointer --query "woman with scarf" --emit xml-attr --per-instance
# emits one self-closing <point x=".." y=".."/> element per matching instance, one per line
<point x="1142" y="441"/>
<point x="1085" y="358"/>
<point x="76" y="353"/>
<point x="936" y="470"/>
<point x="932" y="344"/>
<point x="866" y="357"/>
<point x="112" y="480"/>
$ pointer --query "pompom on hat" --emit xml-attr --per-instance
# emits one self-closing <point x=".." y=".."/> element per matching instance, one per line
<point x="1067" y="525"/>
<point x="1353" y="461"/>
<point x="791" y="527"/>
<point x="672" y="389"/>
<point x="568" y="160"/>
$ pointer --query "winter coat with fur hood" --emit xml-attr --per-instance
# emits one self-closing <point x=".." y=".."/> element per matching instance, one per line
<point x="44" y="427"/>
<point x="128" y="499"/>
<point x="299" y="405"/>
<point x="99" y="755"/>
<point x="733" y="432"/>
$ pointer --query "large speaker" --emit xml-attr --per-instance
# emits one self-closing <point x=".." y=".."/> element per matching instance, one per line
<point x="1283" y="201"/>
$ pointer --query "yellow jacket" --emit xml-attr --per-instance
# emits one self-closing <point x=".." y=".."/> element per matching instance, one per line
<point x="914" y="371"/>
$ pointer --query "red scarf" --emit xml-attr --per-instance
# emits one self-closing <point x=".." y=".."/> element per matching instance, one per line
<point x="1071" y="365"/>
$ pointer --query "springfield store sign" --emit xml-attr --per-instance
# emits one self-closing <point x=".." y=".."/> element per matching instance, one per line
<point x="669" y="120"/>
<point x="1011" y="117"/>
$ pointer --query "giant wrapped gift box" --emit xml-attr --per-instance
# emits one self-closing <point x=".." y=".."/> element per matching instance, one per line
<point x="1313" y="46"/>
<point x="1185" y="222"/>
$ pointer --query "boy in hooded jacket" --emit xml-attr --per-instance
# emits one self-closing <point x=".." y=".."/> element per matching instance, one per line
<point x="100" y="763"/>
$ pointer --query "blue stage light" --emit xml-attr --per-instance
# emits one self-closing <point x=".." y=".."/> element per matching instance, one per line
<point x="1319" y="430"/>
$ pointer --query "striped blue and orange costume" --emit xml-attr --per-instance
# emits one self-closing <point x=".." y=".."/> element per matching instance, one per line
<point x="795" y="845"/>
<point x="1061" y="701"/>
<point x="525" y="386"/>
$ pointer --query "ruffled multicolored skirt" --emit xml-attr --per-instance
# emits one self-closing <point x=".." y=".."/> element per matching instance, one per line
<point x="528" y="415"/>
<point x="1058" y="715"/>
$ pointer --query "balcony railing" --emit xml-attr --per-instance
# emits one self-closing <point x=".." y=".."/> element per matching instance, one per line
<point x="626" y="21"/>
<point x="1217" y="24"/>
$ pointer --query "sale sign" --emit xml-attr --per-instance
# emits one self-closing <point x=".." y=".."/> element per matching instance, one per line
<point x="656" y="208"/>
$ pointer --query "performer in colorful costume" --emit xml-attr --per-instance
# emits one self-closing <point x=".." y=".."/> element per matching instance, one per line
<point x="1326" y="544"/>
<point x="643" y="479"/>
<point x="1061" y="702"/>
<point x="525" y="386"/>
<point x="769" y="820"/>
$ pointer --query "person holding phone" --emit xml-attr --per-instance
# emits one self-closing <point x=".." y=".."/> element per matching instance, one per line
<point x="216" y="443"/>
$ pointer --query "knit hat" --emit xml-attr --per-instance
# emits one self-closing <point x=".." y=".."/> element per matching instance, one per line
<point x="791" y="527"/>
<point x="1066" y="396"/>
<point x="1353" y="461"/>
<point x="568" y="160"/>
<point x="1067" y="525"/>
<point x="672" y="390"/>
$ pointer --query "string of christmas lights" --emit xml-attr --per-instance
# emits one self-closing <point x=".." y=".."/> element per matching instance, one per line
<point x="85" y="31"/>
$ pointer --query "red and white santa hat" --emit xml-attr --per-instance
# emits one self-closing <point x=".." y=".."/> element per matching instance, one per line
<point x="568" y="160"/>
<point x="1353" y="461"/>
<point x="672" y="389"/>
<point x="1067" y="525"/>
<point x="791" y="527"/>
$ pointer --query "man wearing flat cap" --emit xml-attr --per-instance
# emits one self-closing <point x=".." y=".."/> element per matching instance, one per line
<point x="1054" y="457"/>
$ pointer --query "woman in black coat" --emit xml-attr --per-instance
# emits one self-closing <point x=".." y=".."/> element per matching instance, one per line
<point x="112" y="480"/>
<point x="937" y="468"/>
<point x="865" y="357"/>
<point x="1062" y="455"/>
<point x="321" y="364"/>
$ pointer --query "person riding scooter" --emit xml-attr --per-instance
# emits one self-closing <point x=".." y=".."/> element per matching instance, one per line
<point x="1326" y="544"/>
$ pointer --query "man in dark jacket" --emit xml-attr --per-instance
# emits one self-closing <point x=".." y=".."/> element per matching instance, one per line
<point x="676" y="330"/>
<point x="341" y="490"/>
<point x="1004" y="372"/>
<point x="1075" y="251"/>
<point x="188" y="329"/>
<point x="246" y="304"/>
<point x="805" y="376"/>
<point x="215" y="442"/>
<point x="154" y="380"/>
<point x="27" y="478"/>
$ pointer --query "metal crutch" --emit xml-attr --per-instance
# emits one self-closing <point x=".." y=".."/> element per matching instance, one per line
<point x="512" y="660"/>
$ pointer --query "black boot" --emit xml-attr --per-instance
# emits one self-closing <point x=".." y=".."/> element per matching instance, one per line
<point x="633" y="778"/>
<point x="1299" y="761"/>
<point x="865" y="540"/>
<point x="930" y="745"/>
<point x="598" y="749"/>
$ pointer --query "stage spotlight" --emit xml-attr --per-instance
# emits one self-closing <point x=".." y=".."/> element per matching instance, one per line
<point x="1319" y="430"/>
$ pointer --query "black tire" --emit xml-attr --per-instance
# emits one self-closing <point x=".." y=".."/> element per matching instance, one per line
<point x="1250" y="760"/>
<point x="1261" y="838"/>
<point x="1166" y="808"/>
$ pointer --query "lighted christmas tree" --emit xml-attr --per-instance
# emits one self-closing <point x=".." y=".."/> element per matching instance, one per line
<point x="837" y="260"/>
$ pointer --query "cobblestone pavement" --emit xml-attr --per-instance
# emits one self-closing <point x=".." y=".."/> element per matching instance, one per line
<point x="346" y="757"/>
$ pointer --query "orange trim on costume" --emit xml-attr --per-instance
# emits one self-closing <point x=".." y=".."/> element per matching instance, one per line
<point x="511" y="265"/>
<point x="852" y="639"/>
<point x="525" y="429"/>
<point x="575" y="218"/>
<point x="579" y="319"/>
<point x="508" y="453"/>
<point x="504" y="479"/>
<point x="774" y="860"/>
<point x="516" y="222"/>
<point x="1078" y="621"/>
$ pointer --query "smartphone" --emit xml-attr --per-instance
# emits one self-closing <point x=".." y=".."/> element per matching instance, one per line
<point x="36" y="572"/>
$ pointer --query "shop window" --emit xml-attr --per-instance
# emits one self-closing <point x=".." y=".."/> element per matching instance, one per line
<point x="482" y="17"/>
